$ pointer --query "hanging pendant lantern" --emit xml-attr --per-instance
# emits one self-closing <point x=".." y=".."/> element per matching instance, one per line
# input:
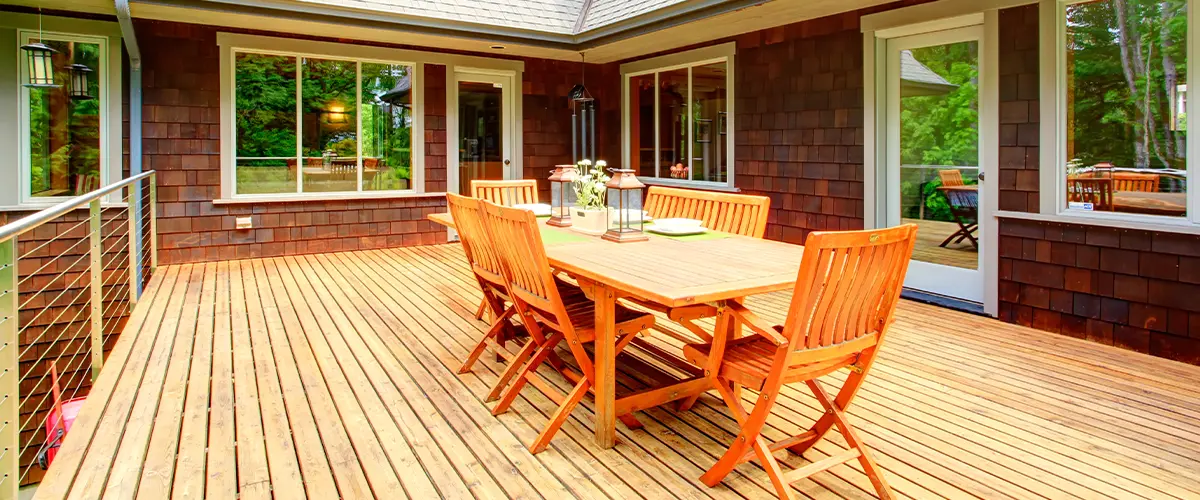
<point x="79" y="82"/>
<point x="41" y="67"/>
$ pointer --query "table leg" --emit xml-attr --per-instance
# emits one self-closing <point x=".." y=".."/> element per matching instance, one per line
<point x="606" y="362"/>
<point x="735" y="332"/>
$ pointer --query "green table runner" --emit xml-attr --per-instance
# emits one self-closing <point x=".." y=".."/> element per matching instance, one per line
<point x="553" y="236"/>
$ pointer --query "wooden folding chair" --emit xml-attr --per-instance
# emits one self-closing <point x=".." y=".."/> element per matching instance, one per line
<point x="951" y="177"/>
<point x="841" y="309"/>
<point x="1142" y="183"/>
<point x="489" y="273"/>
<point x="506" y="193"/>
<point x="568" y="317"/>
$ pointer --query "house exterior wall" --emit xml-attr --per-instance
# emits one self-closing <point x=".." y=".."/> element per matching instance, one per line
<point x="1129" y="288"/>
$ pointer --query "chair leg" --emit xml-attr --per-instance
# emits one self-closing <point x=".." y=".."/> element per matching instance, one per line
<point x="560" y="416"/>
<point x="782" y="487"/>
<point x="531" y="366"/>
<point x="483" y="304"/>
<point x="742" y="443"/>
<point x="511" y="370"/>
<point x="497" y="327"/>
<point x="864" y="458"/>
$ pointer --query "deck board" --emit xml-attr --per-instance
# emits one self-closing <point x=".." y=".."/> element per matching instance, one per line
<point x="334" y="375"/>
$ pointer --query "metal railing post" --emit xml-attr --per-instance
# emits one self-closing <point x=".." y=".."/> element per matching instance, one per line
<point x="153" y="221"/>
<point x="96" y="272"/>
<point x="132" y="248"/>
<point x="10" y="408"/>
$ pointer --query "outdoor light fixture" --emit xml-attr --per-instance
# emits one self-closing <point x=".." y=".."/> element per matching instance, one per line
<point x="79" y="81"/>
<point x="41" y="68"/>
<point x="336" y="114"/>
<point x="562" y="195"/>
<point x="624" y="193"/>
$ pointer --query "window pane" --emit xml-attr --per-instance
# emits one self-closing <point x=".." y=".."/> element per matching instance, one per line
<point x="1126" y="121"/>
<point x="672" y="121"/>
<point x="64" y="133"/>
<point x="329" y="126"/>
<point x="708" y="126"/>
<point x="265" y="93"/>
<point x="386" y="126"/>
<point x="641" y="124"/>
<point x="939" y="151"/>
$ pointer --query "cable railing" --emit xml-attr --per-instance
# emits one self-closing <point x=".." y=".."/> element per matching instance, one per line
<point x="70" y="276"/>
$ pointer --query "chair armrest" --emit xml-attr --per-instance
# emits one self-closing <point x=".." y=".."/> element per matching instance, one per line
<point x="756" y="324"/>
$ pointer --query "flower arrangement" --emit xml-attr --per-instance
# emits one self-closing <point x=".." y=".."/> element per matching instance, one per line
<point x="589" y="185"/>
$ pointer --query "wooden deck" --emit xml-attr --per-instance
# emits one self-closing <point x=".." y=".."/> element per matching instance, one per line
<point x="931" y="233"/>
<point x="342" y="370"/>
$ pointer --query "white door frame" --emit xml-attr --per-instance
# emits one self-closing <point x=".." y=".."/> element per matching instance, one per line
<point x="510" y="114"/>
<point x="882" y="129"/>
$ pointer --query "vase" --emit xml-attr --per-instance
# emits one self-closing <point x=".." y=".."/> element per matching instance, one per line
<point x="589" y="220"/>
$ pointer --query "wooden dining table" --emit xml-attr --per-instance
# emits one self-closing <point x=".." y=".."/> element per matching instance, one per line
<point x="672" y="272"/>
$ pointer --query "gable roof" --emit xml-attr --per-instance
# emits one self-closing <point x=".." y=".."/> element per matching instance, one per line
<point x="557" y="17"/>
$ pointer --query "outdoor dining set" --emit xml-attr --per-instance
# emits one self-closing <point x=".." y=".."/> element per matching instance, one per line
<point x="565" y="302"/>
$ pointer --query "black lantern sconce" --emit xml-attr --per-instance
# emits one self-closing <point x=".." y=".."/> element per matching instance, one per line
<point x="79" y="82"/>
<point x="625" y="217"/>
<point x="41" y="67"/>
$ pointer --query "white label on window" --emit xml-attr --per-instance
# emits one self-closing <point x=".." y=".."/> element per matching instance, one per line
<point x="1078" y="205"/>
<point x="498" y="85"/>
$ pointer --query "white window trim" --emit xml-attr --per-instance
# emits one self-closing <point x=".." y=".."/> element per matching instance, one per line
<point x="698" y="57"/>
<point x="1053" y="117"/>
<point x="107" y="35"/>
<point x="229" y="42"/>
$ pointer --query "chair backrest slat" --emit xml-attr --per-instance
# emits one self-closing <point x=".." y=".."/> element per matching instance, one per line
<point x="506" y="193"/>
<point x="726" y="212"/>
<point x="848" y="285"/>
<point x="479" y="247"/>
<point x="518" y="242"/>
<point x="1098" y="192"/>
<point x="1128" y="181"/>
<point x="951" y="177"/>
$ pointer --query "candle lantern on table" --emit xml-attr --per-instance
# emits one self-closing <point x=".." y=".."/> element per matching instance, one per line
<point x="562" y="195"/>
<point x="624" y="194"/>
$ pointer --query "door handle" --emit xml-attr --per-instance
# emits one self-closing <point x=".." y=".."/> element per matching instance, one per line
<point x="981" y="177"/>
<point x="507" y="162"/>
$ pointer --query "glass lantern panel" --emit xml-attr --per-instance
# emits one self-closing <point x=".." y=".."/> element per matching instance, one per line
<point x="626" y="208"/>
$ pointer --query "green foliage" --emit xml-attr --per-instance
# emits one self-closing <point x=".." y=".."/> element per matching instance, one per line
<point x="1122" y="82"/>
<point x="944" y="129"/>
<point x="64" y="139"/>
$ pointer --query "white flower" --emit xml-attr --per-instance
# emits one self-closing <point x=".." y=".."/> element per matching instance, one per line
<point x="601" y="164"/>
<point x="585" y="162"/>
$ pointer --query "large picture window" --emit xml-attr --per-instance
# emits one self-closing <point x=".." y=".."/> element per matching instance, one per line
<point x="1124" y="144"/>
<point x="678" y="119"/>
<point x="64" y="153"/>
<point x="321" y="125"/>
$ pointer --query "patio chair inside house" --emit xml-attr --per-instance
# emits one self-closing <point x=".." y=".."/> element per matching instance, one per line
<point x="506" y="193"/>
<point x="489" y="273"/>
<point x="86" y="183"/>
<point x="566" y="314"/>
<point x="1129" y="181"/>
<point x="964" y="208"/>
<point x="951" y="177"/>
<point x="1098" y="192"/>
<point x="841" y="309"/>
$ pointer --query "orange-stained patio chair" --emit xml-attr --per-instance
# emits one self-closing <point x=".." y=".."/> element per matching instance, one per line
<point x="1129" y="181"/>
<point x="951" y="177"/>
<point x="565" y="313"/>
<point x="489" y="272"/>
<point x="506" y="193"/>
<point x="841" y="309"/>
<point x="1098" y="192"/>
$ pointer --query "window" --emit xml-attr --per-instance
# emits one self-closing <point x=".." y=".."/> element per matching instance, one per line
<point x="1123" y="144"/>
<point x="63" y="139"/>
<point x="678" y="114"/>
<point x="320" y="124"/>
